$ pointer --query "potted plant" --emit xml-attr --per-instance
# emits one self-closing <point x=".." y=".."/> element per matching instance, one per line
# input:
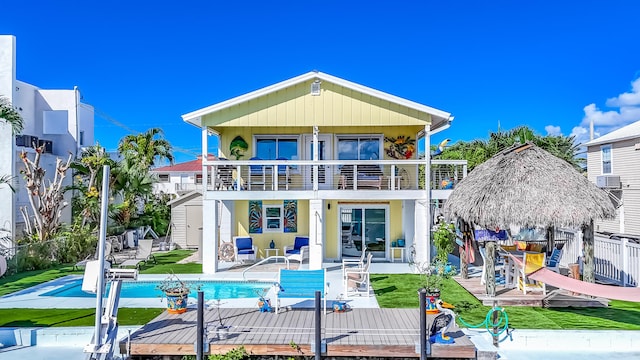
<point x="177" y="293"/>
<point x="221" y="330"/>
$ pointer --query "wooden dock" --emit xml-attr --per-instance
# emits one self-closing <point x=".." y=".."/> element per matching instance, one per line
<point x="514" y="297"/>
<point x="389" y="333"/>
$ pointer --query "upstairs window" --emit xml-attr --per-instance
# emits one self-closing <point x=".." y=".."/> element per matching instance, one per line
<point x="605" y="150"/>
<point x="273" y="147"/>
<point x="359" y="147"/>
<point x="163" y="177"/>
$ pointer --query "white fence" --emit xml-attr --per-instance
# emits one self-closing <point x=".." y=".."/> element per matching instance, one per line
<point x="616" y="261"/>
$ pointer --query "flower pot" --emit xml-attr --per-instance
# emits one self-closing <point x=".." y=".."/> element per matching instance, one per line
<point x="222" y="332"/>
<point x="340" y="306"/>
<point x="177" y="302"/>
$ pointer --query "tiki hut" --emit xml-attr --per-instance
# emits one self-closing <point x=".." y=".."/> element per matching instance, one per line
<point x="527" y="186"/>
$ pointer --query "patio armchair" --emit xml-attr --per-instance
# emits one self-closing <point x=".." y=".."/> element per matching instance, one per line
<point x="553" y="262"/>
<point x="368" y="176"/>
<point x="354" y="262"/>
<point x="356" y="280"/>
<point x="142" y="255"/>
<point x="299" y="251"/>
<point x="283" y="174"/>
<point x="244" y="249"/>
<point x="225" y="179"/>
<point x="530" y="263"/>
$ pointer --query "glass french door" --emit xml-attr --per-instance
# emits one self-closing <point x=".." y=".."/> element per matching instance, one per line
<point x="325" y="178"/>
<point x="363" y="226"/>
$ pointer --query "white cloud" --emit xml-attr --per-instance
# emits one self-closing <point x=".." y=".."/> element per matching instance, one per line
<point x="628" y="104"/>
<point x="627" y="99"/>
<point x="553" y="130"/>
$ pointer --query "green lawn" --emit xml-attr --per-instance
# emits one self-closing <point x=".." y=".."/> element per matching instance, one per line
<point x="400" y="291"/>
<point x="392" y="291"/>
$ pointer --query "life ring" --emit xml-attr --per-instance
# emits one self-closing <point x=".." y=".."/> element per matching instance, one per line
<point x="226" y="252"/>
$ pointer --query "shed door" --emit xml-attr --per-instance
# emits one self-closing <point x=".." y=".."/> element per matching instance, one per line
<point x="194" y="225"/>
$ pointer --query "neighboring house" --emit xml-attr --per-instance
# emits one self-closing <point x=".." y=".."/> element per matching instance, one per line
<point x="55" y="118"/>
<point x="180" y="178"/>
<point x="613" y="163"/>
<point x="322" y="157"/>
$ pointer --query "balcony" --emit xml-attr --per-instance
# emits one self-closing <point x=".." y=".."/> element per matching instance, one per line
<point x="331" y="179"/>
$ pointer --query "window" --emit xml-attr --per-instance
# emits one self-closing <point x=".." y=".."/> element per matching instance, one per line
<point x="276" y="147"/>
<point x="359" y="147"/>
<point x="81" y="140"/>
<point x="273" y="218"/>
<point x="163" y="177"/>
<point x="605" y="150"/>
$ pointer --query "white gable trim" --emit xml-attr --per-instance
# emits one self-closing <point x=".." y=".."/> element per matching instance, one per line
<point x="194" y="117"/>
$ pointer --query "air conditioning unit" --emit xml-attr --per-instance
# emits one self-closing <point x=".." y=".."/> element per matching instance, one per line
<point x="48" y="146"/>
<point x="27" y="141"/>
<point x="608" y="181"/>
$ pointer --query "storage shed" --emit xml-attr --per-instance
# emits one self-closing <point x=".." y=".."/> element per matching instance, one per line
<point x="186" y="216"/>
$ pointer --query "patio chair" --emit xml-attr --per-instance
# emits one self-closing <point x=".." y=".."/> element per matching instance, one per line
<point x="283" y="174"/>
<point x="530" y="264"/>
<point x="142" y="255"/>
<point x="357" y="279"/>
<point x="299" y="251"/>
<point x="354" y="262"/>
<point x="225" y="177"/>
<point x="347" y="236"/>
<point x="553" y="262"/>
<point x="243" y="248"/>
<point x="108" y="256"/>
<point x="257" y="175"/>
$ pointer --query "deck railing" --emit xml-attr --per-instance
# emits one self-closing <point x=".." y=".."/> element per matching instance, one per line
<point x="284" y="175"/>
<point x="615" y="260"/>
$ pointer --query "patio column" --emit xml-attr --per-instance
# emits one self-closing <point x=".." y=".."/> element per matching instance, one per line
<point x="316" y="234"/>
<point x="210" y="236"/>
<point x="422" y="238"/>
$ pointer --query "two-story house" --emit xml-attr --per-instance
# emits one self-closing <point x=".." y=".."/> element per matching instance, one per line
<point x="322" y="157"/>
<point x="56" y="119"/>
<point x="613" y="163"/>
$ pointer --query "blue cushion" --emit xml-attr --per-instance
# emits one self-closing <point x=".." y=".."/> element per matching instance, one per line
<point x="300" y="242"/>
<point x="245" y="251"/>
<point x="293" y="251"/>
<point x="244" y="244"/>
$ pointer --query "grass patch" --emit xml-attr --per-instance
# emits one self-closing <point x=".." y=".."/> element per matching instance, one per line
<point x="166" y="264"/>
<point x="71" y="317"/>
<point x="400" y="291"/>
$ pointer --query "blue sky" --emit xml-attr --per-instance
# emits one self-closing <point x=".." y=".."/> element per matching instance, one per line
<point x="551" y="65"/>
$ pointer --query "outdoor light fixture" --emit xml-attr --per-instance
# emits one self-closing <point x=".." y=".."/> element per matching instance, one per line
<point x="315" y="87"/>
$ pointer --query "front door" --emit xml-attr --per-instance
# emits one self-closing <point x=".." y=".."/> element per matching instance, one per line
<point x="325" y="178"/>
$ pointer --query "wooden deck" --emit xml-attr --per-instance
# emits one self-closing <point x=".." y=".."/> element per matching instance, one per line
<point x="355" y="333"/>
<point x="514" y="297"/>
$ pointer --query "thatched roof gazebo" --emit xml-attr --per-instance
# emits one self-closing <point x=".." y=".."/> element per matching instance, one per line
<point x="527" y="186"/>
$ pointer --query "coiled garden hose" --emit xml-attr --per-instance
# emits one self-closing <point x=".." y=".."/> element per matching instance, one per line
<point x="502" y="323"/>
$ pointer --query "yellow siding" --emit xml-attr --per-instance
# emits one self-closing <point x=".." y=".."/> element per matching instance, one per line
<point x="280" y="239"/>
<point x="331" y="230"/>
<point x="295" y="106"/>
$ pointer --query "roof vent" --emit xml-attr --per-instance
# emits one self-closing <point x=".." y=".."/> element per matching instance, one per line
<point x="315" y="87"/>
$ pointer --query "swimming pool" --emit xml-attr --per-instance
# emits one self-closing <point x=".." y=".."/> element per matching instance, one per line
<point x="147" y="289"/>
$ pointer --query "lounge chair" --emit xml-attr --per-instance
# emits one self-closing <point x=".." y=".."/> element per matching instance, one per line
<point x="299" y="251"/>
<point x="143" y="254"/>
<point x="243" y="248"/>
<point x="357" y="279"/>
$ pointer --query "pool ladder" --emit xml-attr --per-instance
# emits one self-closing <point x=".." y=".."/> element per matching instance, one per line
<point x="286" y="261"/>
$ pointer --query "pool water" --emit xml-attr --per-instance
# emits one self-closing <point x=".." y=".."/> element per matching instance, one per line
<point x="148" y="289"/>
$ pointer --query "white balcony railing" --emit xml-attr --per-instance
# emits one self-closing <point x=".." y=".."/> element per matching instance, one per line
<point x="288" y="175"/>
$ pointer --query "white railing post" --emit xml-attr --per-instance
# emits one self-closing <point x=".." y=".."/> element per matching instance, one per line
<point x="624" y="254"/>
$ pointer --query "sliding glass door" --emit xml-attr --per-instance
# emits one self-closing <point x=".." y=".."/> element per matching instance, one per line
<point x="364" y="226"/>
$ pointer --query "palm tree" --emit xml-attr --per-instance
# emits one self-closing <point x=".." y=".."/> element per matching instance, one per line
<point x="13" y="118"/>
<point x="10" y="115"/>
<point x="88" y="181"/>
<point x="142" y="150"/>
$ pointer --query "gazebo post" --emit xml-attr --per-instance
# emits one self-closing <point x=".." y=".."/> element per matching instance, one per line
<point x="588" y="270"/>
<point x="490" y="273"/>
<point x="551" y="238"/>
<point x="466" y="234"/>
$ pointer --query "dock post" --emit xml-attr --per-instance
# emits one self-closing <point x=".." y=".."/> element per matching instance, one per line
<point x="318" y="332"/>
<point x="200" y="328"/>
<point x="494" y="319"/>
<point x="425" y="346"/>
